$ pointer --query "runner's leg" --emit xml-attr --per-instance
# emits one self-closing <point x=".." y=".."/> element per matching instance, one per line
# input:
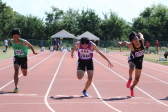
<point x="80" y="74"/>
<point x="16" y="79"/>
<point x="137" y="76"/>
<point x="89" y="81"/>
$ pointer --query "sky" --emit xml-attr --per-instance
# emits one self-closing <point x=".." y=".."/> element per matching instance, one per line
<point x="126" y="9"/>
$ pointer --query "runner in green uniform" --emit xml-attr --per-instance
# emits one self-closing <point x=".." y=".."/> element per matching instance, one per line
<point x="20" y="47"/>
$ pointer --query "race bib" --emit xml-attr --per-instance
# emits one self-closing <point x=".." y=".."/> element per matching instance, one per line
<point x="19" y="52"/>
<point x="140" y="53"/>
<point x="85" y="54"/>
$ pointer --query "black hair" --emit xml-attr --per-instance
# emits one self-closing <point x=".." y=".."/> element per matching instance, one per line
<point x="15" y="31"/>
<point x="132" y="35"/>
<point x="84" y="40"/>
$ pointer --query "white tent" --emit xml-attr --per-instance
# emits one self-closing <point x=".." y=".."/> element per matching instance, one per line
<point x="88" y="35"/>
<point x="63" y="34"/>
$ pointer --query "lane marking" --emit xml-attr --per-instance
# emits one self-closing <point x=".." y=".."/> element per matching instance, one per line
<point x="12" y="58"/>
<point x="28" y="58"/>
<point x="28" y="70"/>
<point x="101" y="99"/>
<point x="141" y="72"/>
<point x="49" y="88"/>
<point x="79" y="102"/>
<point x="136" y="86"/>
<point x="15" y="94"/>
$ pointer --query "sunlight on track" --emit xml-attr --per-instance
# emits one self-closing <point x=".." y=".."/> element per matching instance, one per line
<point x="136" y="86"/>
<point x="28" y="70"/>
<point x="101" y="99"/>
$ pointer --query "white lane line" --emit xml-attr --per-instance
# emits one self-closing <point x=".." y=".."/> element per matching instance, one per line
<point x="101" y="99"/>
<point x="10" y="58"/>
<point x="132" y="102"/>
<point x="143" y="65"/>
<point x="28" y="70"/>
<point x="28" y="58"/>
<point x="49" y="88"/>
<point x="136" y="86"/>
<point x="142" y="72"/>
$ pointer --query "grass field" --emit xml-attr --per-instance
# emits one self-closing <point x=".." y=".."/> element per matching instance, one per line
<point x="147" y="57"/>
<point x="10" y="53"/>
<point x="154" y="58"/>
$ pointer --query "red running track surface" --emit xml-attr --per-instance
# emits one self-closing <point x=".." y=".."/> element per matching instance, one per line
<point x="52" y="85"/>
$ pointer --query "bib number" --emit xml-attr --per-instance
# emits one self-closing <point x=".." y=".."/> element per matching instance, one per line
<point x="19" y="52"/>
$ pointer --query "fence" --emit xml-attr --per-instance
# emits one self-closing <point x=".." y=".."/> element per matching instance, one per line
<point x="70" y="43"/>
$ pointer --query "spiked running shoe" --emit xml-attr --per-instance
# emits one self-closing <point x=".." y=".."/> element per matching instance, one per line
<point x="85" y="93"/>
<point x="16" y="90"/>
<point x="128" y="83"/>
<point x="132" y="92"/>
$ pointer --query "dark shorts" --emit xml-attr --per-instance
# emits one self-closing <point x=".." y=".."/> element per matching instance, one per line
<point x="21" y="61"/>
<point x="135" y="63"/>
<point x="85" y="64"/>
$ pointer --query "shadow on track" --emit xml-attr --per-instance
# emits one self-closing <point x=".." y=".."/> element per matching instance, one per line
<point x="113" y="99"/>
<point x="67" y="97"/>
<point x="164" y="98"/>
<point x="5" y="92"/>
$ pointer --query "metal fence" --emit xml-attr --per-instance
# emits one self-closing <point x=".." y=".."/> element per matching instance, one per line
<point x="70" y="43"/>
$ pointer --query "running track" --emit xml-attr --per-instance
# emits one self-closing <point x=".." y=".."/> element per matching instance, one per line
<point x="52" y="85"/>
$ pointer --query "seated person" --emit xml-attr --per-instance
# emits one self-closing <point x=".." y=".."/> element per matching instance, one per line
<point x="165" y="55"/>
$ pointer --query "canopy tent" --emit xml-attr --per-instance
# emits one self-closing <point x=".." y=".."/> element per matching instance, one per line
<point x="88" y="35"/>
<point x="63" y="34"/>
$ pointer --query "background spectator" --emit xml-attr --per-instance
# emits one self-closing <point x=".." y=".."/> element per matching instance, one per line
<point x="157" y="44"/>
<point x="6" y="44"/>
<point x="41" y="44"/>
<point x="147" y="46"/>
<point x="55" y="44"/>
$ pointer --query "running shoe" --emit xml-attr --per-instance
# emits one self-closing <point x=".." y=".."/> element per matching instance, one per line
<point x="132" y="92"/>
<point x="128" y="83"/>
<point x="85" y="94"/>
<point x="16" y="90"/>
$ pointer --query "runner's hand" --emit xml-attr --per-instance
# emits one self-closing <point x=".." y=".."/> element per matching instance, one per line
<point x="35" y="53"/>
<point x="109" y="64"/>
<point x="119" y="43"/>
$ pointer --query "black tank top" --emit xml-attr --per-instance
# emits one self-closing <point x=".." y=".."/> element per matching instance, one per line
<point x="138" y="53"/>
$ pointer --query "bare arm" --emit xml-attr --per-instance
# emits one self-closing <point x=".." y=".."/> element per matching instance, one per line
<point x="128" y="44"/>
<point x="28" y="44"/>
<point x="141" y="37"/>
<point x="75" y="47"/>
<point x="101" y="54"/>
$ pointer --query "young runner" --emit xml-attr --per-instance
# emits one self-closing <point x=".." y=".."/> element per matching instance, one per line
<point x="20" y="47"/>
<point x="136" y="58"/>
<point x="85" y="62"/>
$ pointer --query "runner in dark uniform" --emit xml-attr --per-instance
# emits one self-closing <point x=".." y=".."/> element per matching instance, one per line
<point x="85" y="62"/>
<point x="136" y="58"/>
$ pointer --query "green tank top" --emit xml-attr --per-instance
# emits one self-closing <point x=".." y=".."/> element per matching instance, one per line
<point x="19" y="49"/>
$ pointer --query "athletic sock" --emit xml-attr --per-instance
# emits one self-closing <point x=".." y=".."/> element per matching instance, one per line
<point x="131" y="88"/>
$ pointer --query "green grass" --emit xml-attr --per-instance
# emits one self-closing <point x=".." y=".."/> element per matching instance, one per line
<point x="154" y="58"/>
<point x="113" y="49"/>
<point x="10" y="53"/>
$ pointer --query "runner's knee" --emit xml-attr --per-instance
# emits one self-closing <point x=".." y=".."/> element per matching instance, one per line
<point x="24" y="74"/>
